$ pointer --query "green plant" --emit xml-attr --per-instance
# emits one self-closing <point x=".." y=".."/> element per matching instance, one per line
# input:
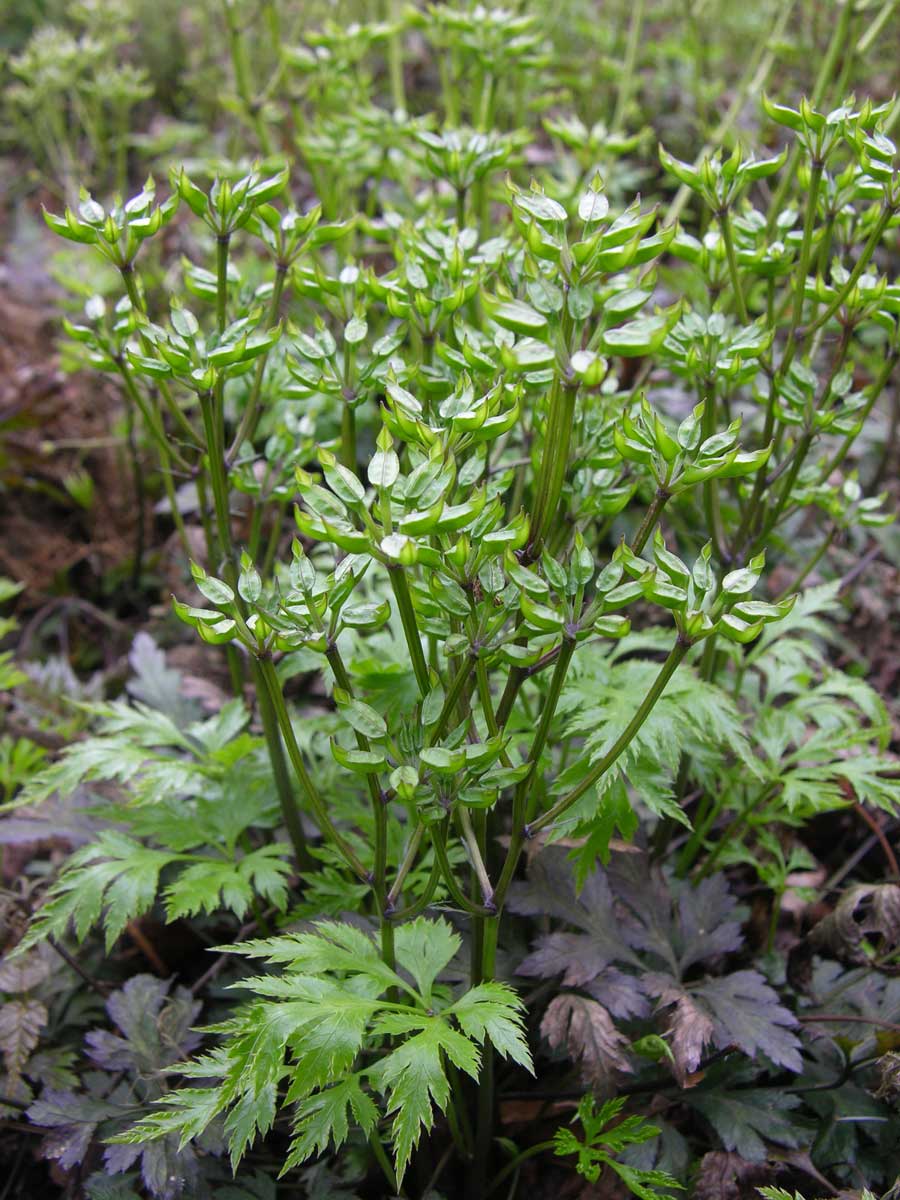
<point x="539" y="451"/>
<point x="602" y="1140"/>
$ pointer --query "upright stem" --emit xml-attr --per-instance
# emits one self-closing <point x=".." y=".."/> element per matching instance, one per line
<point x="250" y="418"/>
<point x="668" y="669"/>
<point x="222" y="245"/>
<point x="348" y="436"/>
<point x="728" y="238"/>
<point x="400" y="588"/>
<point x="484" y="1135"/>
<point x="320" y="812"/>
<point x="242" y="86"/>
<point x="651" y="516"/>
<point x="151" y="419"/>
<point x="395" y="56"/>
<point x="629" y="66"/>
<point x="520" y="798"/>
<point x="862" y="262"/>
<point x="137" y="303"/>
<point x="379" y="813"/>
<point x="803" y="263"/>
<point x="554" y="463"/>
<point x="289" y="812"/>
<point x="137" y="567"/>
<point x="758" y="68"/>
<point x="838" y="42"/>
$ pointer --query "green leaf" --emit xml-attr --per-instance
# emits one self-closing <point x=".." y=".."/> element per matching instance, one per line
<point x="742" y="1119"/>
<point x="324" y="1119"/>
<point x="360" y="716"/>
<point x="414" y="1078"/>
<point x="424" y="948"/>
<point x="519" y="317"/>
<point x="493" y="1010"/>
<point x="114" y="879"/>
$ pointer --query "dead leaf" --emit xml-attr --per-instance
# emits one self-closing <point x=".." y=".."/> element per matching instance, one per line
<point x="585" y="1030"/>
<point x="862" y="911"/>
<point x="724" y="1176"/>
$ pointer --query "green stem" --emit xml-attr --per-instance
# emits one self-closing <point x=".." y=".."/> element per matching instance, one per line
<point x="439" y="842"/>
<point x="867" y="39"/>
<point x="516" y="1163"/>
<point x="320" y="812"/>
<point x="667" y="670"/>
<point x="554" y="463"/>
<point x="629" y="67"/>
<point x="137" y="568"/>
<point x="731" y="832"/>
<point x="137" y="303"/>
<point x="395" y="56"/>
<point x="151" y="419"/>
<point x="875" y="389"/>
<point x="400" y="589"/>
<point x="289" y="810"/>
<point x="548" y="711"/>
<point x="733" y="270"/>
<point x="348" y="436"/>
<point x="241" y="69"/>
<point x="383" y="1161"/>
<point x="811" y="565"/>
<point x="379" y="807"/>
<point x="838" y="42"/>
<point x="758" y="69"/>
<point x="651" y="516"/>
<point x="455" y="691"/>
<point x="521" y="832"/>
<point x="759" y="484"/>
<point x="215" y="458"/>
<point x="485" y="1120"/>
<point x="412" y="853"/>
<point x="251" y="414"/>
<point x="465" y="821"/>
<point x="222" y="244"/>
<point x="887" y="212"/>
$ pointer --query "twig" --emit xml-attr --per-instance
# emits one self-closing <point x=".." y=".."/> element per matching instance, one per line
<point x="880" y="836"/>
<point x="102" y="989"/>
<point x="857" y="569"/>
<point x="211" y="972"/>
<point x="67" y="602"/>
<point x="147" y="948"/>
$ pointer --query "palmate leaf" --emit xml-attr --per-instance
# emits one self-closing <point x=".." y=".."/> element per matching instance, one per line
<point x="21" y="1022"/>
<point x="306" y="1028"/>
<point x="602" y="692"/>
<point x="742" y="1119"/>
<point x="739" y="1009"/>
<point x="107" y="758"/>
<point x="491" y="1010"/>
<point x="414" y="1078"/>
<point x="213" y="884"/>
<point x="812" y="788"/>
<point x="602" y="1140"/>
<point x="325" y="1118"/>
<point x="115" y="879"/>
<point x="585" y="1030"/>
<point x="826" y="746"/>
<point x="641" y="936"/>
<point x="424" y="951"/>
<point x="144" y="750"/>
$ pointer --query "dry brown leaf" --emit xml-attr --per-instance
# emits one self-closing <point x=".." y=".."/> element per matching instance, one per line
<point x="585" y="1030"/>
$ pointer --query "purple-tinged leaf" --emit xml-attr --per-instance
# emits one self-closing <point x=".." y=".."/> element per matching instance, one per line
<point x="584" y="1029"/>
